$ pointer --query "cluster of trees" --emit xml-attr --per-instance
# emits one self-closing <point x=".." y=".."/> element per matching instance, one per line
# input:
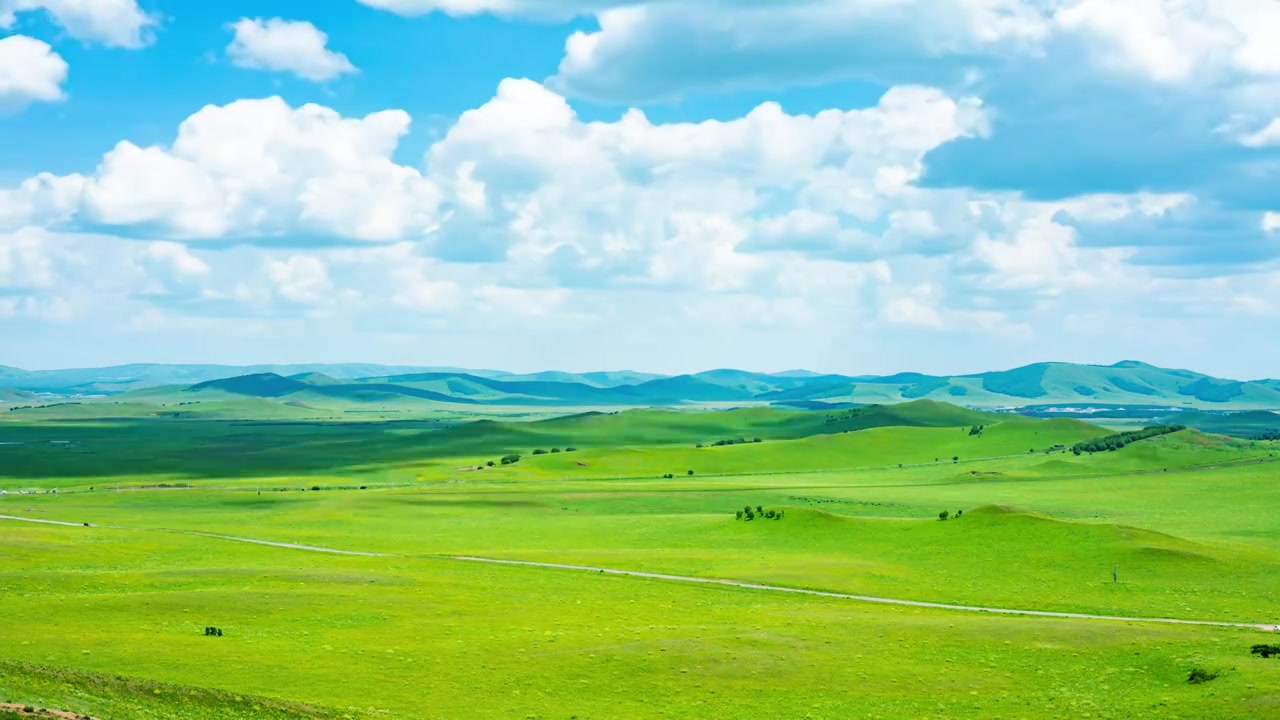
<point x="1268" y="435"/>
<point x="748" y="513"/>
<point x="41" y="407"/>
<point x="1119" y="440"/>
<point x="947" y="514"/>
<point x="737" y="441"/>
<point x="553" y="451"/>
<point x="212" y="632"/>
<point x="976" y="430"/>
<point x="510" y="459"/>
<point x="1265" y="651"/>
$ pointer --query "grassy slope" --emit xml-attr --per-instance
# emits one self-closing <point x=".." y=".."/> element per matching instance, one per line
<point x="1243" y="424"/>
<point x="186" y="449"/>
<point x="402" y="636"/>
<point x="1039" y="531"/>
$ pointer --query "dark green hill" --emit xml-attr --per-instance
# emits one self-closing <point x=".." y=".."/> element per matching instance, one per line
<point x="1249" y="424"/>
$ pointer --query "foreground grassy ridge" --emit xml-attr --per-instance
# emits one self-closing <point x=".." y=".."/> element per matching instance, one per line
<point x="428" y="638"/>
<point x="103" y="695"/>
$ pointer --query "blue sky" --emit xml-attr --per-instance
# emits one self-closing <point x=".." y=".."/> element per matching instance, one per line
<point x="931" y="185"/>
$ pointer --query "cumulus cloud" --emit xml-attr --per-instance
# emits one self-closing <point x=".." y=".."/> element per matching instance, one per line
<point x="671" y="203"/>
<point x="296" y="47"/>
<point x="115" y="23"/>
<point x="302" y="279"/>
<point x="30" y="71"/>
<point x="253" y="170"/>
<point x="665" y="48"/>
<point x="548" y="9"/>
<point x="25" y="260"/>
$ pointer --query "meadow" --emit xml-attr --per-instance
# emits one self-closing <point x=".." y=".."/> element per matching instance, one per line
<point x="107" y="619"/>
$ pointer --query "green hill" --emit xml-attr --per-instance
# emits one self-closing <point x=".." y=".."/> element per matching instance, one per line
<point x="1046" y="385"/>
<point x="1248" y="424"/>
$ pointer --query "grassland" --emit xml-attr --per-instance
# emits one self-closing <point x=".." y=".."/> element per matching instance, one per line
<point x="106" y="620"/>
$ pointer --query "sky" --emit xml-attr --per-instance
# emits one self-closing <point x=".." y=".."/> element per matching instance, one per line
<point x="941" y="186"/>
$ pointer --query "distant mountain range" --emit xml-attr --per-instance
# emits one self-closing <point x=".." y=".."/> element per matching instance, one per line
<point x="1039" y="384"/>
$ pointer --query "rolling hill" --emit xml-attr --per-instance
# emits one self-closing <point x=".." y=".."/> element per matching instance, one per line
<point x="1042" y="385"/>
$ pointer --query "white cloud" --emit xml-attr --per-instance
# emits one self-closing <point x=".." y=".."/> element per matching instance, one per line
<point x="672" y="203"/>
<point x="257" y="169"/>
<point x="116" y="23"/>
<point x="553" y="9"/>
<point x="1173" y="41"/>
<point x="296" y="47"/>
<point x="664" y="47"/>
<point x="30" y="71"/>
<point x="1265" y="137"/>
<point x="301" y="279"/>
<point x="1271" y="221"/>
<point x="25" y="262"/>
<point x="174" y="258"/>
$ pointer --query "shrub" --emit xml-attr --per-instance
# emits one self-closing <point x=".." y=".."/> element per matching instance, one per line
<point x="1200" y="676"/>
<point x="555" y="450"/>
<point x="959" y="513"/>
<point x="539" y="452"/>
<point x="510" y="459"/>
<point x="944" y="515"/>
<point x="1265" y="651"/>
<point x="690" y="472"/>
<point x="739" y="515"/>
<point x="315" y="488"/>
<point x="490" y="463"/>
<point x="571" y="449"/>
<point x="955" y="459"/>
<point x="364" y="487"/>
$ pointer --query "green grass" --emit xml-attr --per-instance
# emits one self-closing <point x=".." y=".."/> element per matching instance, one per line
<point x="107" y="620"/>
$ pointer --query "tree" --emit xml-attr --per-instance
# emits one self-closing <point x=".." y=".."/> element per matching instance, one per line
<point x="571" y="449"/>
<point x="944" y="515"/>
<point x="539" y="452"/>
<point x="490" y="463"/>
<point x="510" y="459"/>
<point x="555" y="450"/>
<point x="955" y="459"/>
<point x="690" y="472"/>
<point x="959" y="513"/>
<point x="739" y="517"/>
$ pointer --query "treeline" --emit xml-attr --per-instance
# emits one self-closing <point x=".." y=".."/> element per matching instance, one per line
<point x="735" y="441"/>
<point x="1268" y="435"/>
<point x="1119" y="440"/>
<point x="42" y="407"/>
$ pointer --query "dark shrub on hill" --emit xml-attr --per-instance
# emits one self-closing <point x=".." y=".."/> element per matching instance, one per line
<point x="1265" y="651"/>
<point x="555" y="450"/>
<point x="1199" y="676"/>
<point x="571" y="449"/>
<point x="510" y="459"/>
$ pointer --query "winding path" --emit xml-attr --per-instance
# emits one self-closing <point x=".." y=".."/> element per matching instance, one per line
<point x="699" y="580"/>
<point x="860" y="598"/>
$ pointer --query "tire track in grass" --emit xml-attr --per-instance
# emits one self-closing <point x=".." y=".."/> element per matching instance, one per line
<point x="698" y="580"/>
<point x="859" y="598"/>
